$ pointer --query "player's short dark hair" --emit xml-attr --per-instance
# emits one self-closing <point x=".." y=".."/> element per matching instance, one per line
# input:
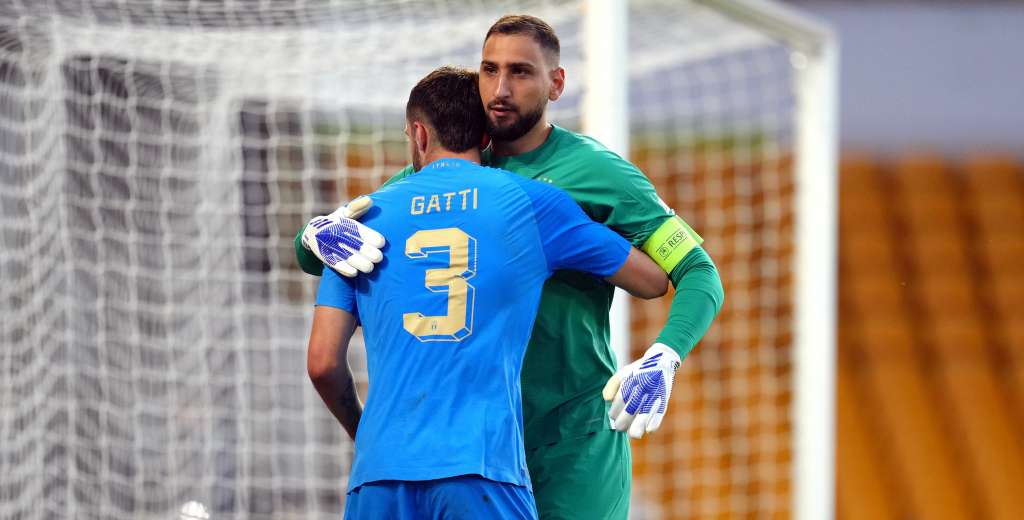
<point x="535" y="28"/>
<point x="449" y="100"/>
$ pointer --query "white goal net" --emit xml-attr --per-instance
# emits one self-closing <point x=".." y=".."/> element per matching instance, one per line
<point x="158" y="156"/>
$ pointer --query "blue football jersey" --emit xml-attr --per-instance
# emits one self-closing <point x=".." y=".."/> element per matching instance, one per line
<point x="447" y="315"/>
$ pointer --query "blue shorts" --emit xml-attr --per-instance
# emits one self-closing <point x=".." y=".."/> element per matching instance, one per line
<point x="464" y="497"/>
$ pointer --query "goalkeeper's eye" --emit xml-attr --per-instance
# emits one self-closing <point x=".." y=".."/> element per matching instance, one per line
<point x="522" y="71"/>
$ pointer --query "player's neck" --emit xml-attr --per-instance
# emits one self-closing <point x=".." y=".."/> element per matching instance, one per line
<point x="471" y="155"/>
<point x="529" y="142"/>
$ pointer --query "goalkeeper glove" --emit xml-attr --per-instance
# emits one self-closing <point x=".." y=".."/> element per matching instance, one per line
<point x="639" y="392"/>
<point x="342" y="243"/>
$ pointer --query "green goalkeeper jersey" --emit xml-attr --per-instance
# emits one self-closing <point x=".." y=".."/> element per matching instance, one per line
<point x="569" y="357"/>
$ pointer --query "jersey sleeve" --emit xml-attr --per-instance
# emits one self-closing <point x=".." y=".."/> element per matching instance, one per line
<point x="403" y="173"/>
<point x="618" y="194"/>
<point x="569" y="238"/>
<point x="336" y="291"/>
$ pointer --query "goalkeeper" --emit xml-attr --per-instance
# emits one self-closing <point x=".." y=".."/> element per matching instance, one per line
<point x="580" y="468"/>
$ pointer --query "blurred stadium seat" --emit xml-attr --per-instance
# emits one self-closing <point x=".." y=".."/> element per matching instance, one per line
<point x="931" y="376"/>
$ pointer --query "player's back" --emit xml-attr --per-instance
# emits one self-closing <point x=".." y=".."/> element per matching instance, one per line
<point x="446" y="319"/>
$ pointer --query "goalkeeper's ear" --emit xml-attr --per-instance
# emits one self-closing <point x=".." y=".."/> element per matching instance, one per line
<point x="640" y="276"/>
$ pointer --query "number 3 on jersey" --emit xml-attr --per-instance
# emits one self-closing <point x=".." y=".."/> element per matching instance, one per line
<point x="458" y="323"/>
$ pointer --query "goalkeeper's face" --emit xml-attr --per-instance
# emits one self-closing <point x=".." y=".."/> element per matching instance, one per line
<point x="515" y="85"/>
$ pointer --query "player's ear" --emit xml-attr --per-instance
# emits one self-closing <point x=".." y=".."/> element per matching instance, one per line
<point x="557" y="84"/>
<point x="421" y="136"/>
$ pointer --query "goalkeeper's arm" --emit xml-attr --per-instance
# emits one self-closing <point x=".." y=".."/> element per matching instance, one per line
<point x="327" y="364"/>
<point x="699" y="297"/>
<point x="639" y="392"/>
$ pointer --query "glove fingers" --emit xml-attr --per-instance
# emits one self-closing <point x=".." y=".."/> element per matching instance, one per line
<point x="628" y="416"/>
<point x="371" y="237"/>
<point x="360" y="262"/>
<point x="639" y="426"/>
<point x="611" y="388"/>
<point x="655" y="418"/>
<point x="623" y="421"/>
<point x="342" y="267"/>
<point x="371" y="253"/>
<point x="617" y="406"/>
<point x="357" y="207"/>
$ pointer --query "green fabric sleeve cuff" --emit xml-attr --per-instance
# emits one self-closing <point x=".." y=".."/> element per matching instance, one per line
<point x="309" y="263"/>
<point x="699" y="297"/>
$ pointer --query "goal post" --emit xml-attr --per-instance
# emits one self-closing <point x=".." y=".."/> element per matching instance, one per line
<point x="815" y="68"/>
<point x="605" y="113"/>
<point x="812" y="62"/>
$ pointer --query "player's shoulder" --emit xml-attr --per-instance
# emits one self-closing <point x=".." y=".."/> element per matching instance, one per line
<point x="590" y="152"/>
<point x="517" y="182"/>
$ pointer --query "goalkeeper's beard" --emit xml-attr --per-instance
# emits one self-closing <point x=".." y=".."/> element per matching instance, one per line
<point x="518" y="128"/>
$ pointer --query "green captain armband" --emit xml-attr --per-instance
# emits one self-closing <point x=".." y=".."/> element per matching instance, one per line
<point x="670" y="243"/>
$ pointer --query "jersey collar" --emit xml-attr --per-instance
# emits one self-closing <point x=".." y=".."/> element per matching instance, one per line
<point x="532" y="155"/>
<point x="447" y="163"/>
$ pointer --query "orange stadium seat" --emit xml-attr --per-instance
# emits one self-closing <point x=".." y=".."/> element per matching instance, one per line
<point x="868" y="254"/>
<point x="971" y="385"/>
<point x="863" y="213"/>
<point x="923" y="175"/>
<point x="993" y="174"/>
<point x="932" y="292"/>
<point x="863" y="487"/>
<point x="862" y="206"/>
<point x="878" y="296"/>
<point x="935" y="254"/>
<point x="946" y="296"/>
<point x="999" y="213"/>
<point x="1007" y="295"/>
<point x="1003" y="254"/>
<point x="899" y="399"/>
<point x="931" y="212"/>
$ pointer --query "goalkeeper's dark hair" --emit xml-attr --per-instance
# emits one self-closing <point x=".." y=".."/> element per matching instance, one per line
<point x="449" y="100"/>
<point x="535" y="28"/>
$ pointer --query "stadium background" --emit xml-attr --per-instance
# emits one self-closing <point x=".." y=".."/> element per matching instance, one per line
<point x="165" y="364"/>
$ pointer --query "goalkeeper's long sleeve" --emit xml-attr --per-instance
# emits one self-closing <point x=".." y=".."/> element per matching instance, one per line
<point x="309" y="263"/>
<point x="699" y="297"/>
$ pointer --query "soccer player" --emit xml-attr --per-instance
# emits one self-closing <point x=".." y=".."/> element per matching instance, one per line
<point x="447" y="316"/>
<point x="580" y="468"/>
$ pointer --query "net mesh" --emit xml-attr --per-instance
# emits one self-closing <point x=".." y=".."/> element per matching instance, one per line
<point x="157" y="157"/>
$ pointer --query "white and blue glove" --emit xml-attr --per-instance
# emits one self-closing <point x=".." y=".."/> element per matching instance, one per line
<point x="639" y="392"/>
<point x="342" y="243"/>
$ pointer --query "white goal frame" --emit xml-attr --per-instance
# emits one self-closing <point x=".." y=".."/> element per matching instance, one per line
<point x="814" y="58"/>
